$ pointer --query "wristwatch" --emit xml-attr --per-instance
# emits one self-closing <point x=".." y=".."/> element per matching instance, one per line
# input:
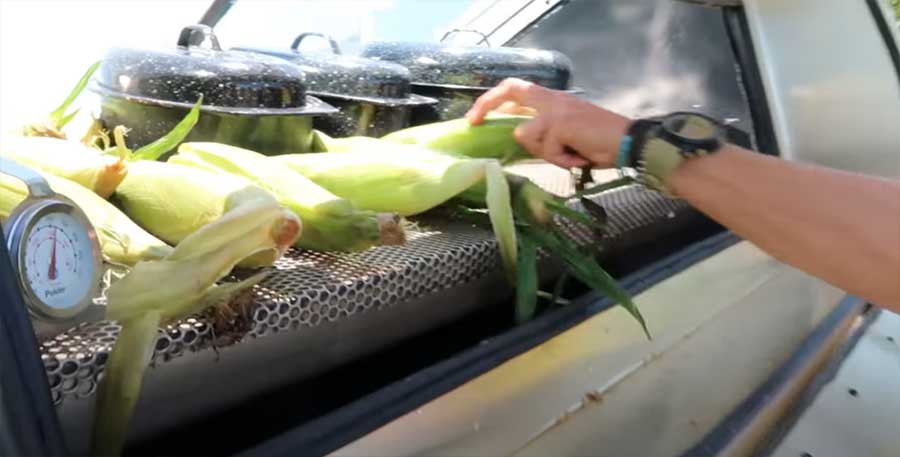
<point x="655" y="147"/>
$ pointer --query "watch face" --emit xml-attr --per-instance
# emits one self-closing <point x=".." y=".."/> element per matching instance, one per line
<point x="691" y="127"/>
<point x="692" y="132"/>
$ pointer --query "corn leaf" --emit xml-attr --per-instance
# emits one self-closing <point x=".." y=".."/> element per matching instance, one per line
<point x="167" y="142"/>
<point x="584" y="267"/>
<point x="58" y="118"/>
<point x="527" y="281"/>
<point x="121" y="385"/>
<point x="501" y="215"/>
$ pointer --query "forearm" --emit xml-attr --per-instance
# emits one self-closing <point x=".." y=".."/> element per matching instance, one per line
<point x="841" y="227"/>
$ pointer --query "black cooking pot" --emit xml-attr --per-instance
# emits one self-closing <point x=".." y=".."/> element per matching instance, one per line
<point x="457" y="75"/>
<point x="373" y="97"/>
<point x="249" y="100"/>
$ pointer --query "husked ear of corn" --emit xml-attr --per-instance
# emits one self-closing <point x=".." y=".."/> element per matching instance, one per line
<point x="66" y="159"/>
<point x="121" y="240"/>
<point x="189" y="275"/>
<point x="330" y="223"/>
<point x="492" y="139"/>
<point x="172" y="201"/>
<point x="388" y="181"/>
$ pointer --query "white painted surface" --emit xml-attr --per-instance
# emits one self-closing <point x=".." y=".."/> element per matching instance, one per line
<point x="720" y="328"/>
<point x="830" y="83"/>
<point x="838" y="424"/>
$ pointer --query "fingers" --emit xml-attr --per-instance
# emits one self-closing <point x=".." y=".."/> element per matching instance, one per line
<point x="521" y="92"/>
<point x="555" y="151"/>
<point x="530" y="134"/>
<point x="543" y="140"/>
<point x="515" y="108"/>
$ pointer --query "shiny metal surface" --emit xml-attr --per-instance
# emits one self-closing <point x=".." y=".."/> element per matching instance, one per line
<point x="474" y="67"/>
<point x="646" y="57"/>
<point x="602" y="389"/>
<point x="36" y="184"/>
<point x="856" y="413"/>
<point x="830" y="83"/>
<point x="230" y="82"/>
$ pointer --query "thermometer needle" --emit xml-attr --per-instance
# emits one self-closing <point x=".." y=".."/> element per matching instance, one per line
<point x="52" y="271"/>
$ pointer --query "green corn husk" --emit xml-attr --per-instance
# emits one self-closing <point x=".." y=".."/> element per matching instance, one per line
<point x="67" y="159"/>
<point x="492" y="139"/>
<point x="391" y="182"/>
<point x="121" y="240"/>
<point x="330" y="223"/>
<point x="534" y="210"/>
<point x="541" y="203"/>
<point x="500" y="213"/>
<point x="58" y="119"/>
<point x="172" y="201"/>
<point x="388" y="181"/>
<point x="189" y="274"/>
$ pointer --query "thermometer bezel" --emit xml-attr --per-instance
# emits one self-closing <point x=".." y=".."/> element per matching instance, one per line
<point x="20" y="224"/>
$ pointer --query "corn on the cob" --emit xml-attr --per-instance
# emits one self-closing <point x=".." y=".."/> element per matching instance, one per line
<point x="202" y="258"/>
<point x="189" y="274"/>
<point x="172" y="201"/>
<point x="388" y="181"/>
<point x="533" y="209"/>
<point x="121" y="240"/>
<point x="330" y="223"/>
<point x="397" y="182"/>
<point x="492" y="139"/>
<point x="67" y="159"/>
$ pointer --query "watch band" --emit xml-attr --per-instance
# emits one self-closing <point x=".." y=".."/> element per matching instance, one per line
<point x="655" y="151"/>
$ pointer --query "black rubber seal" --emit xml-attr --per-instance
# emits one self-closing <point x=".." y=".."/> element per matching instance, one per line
<point x="349" y="423"/>
<point x="25" y="391"/>
<point x="885" y="29"/>
<point x="750" y="79"/>
<point x="715" y="442"/>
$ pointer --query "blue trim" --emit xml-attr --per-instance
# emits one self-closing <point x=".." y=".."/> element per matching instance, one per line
<point x="624" y="151"/>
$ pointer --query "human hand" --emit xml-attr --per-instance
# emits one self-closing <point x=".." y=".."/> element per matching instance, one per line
<point x="566" y="130"/>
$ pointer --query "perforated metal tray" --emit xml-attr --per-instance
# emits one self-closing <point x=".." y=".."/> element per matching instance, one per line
<point x="313" y="312"/>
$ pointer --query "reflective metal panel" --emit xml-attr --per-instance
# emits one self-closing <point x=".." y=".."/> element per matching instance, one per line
<point x="643" y="57"/>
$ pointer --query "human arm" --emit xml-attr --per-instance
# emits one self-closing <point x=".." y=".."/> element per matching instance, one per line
<point x="841" y="227"/>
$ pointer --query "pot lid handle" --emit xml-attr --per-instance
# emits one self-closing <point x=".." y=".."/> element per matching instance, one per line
<point x="188" y="34"/>
<point x="334" y="46"/>
<point x="484" y="38"/>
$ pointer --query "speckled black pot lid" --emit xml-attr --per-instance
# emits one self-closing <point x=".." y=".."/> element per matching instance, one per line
<point x="473" y="67"/>
<point x="231" y="82"/>
<point x="347" y="77"/>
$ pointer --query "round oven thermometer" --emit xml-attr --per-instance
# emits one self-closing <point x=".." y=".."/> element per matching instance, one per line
<point x="54" y="249"/>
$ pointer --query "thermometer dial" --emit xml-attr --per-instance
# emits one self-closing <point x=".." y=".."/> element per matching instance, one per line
<point x="58" y="261"/>
<point x="57" y="254"/>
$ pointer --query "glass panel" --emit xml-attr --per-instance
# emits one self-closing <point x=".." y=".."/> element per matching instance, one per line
<point x="645" y="57"/>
